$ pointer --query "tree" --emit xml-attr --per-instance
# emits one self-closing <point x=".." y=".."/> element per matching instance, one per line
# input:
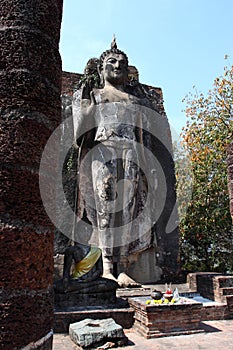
<point x="205" y="231"/>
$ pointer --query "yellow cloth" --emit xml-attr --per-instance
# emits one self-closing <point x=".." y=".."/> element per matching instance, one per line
<point x="85" y="265"/>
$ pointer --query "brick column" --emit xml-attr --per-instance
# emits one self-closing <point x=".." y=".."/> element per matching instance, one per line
<point x="30" y="77"/>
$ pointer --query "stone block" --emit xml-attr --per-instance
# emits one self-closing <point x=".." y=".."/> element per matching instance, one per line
<point x="89" y="334"/>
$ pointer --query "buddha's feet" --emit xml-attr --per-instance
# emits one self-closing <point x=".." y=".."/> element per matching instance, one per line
<point x="127" y="282"/>
<point x="109" y="276"/>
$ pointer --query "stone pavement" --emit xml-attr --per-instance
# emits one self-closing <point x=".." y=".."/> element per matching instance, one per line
<point x="218" y="335"/>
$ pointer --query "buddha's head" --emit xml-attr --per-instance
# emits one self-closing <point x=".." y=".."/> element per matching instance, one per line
<point x="113" y="65"/>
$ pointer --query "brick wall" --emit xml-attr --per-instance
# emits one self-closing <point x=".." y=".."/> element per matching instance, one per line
<point x="69" y="80"/>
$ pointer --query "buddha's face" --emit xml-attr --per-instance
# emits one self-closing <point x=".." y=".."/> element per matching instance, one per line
<point x="115" y="68"/>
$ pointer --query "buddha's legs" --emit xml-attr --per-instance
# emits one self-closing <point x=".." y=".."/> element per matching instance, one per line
<point x="131" y="177"/>
<point x="104" y="176"/>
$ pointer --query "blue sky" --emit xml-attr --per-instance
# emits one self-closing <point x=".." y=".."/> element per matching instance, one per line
<point x="174" y="44"/>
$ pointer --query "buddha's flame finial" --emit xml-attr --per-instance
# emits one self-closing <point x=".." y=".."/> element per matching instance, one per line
<point x="113" y="43"/>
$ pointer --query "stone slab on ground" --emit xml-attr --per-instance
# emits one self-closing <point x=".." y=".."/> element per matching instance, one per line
<point x="90" y="334"/>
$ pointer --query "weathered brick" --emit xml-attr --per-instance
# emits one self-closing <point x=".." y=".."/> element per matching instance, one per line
<point x="21" y="197"/>
<point x="22" y="141"/>
<point x="24" y="314"/>
<point x="26" y="259"/>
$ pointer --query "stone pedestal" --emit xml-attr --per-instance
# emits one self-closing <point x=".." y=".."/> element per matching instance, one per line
<point x="74" y="299"/>
<point x="95" y="293"/>
<point x="161" y="320"/>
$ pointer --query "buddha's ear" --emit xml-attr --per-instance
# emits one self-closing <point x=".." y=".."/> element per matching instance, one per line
<point x="99" y="69"/>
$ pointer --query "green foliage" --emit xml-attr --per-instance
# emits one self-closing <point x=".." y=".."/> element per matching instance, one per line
<point x="205" y="230"/>
<point x="92" y="79"/>
<point x="70" y="159"/>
